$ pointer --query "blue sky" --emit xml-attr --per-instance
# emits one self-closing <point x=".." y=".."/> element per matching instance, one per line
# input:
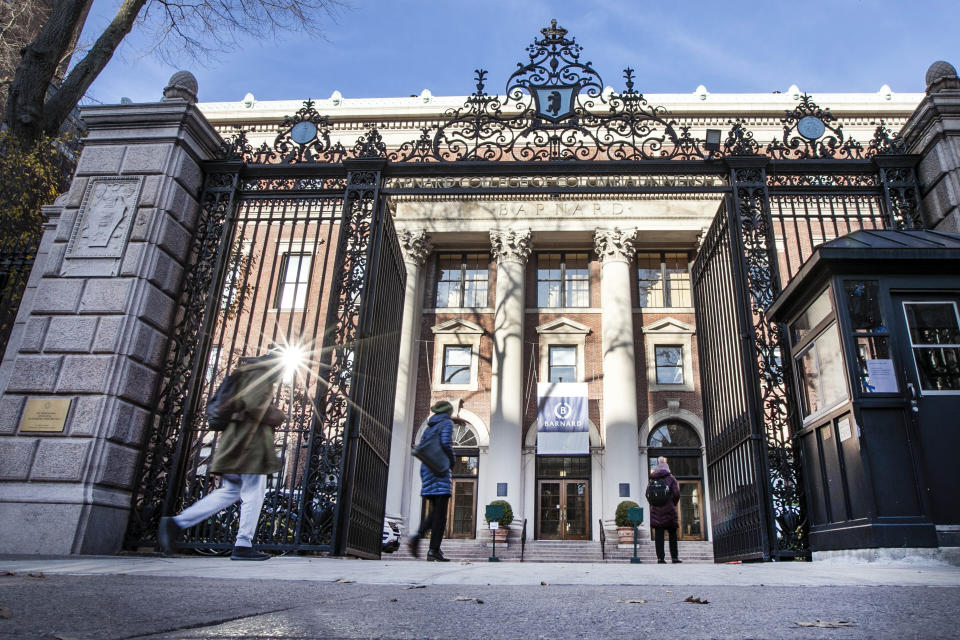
<point x="380" y="48"/>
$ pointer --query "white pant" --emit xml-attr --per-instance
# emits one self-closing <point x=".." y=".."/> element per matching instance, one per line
<point x="249" y="488"/>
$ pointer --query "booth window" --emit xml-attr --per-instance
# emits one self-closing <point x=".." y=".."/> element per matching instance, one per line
<point x="871" y="338"/>
<point x="818" y="356"/>
<point x="935" y="341"/>
<point x="462" y="280"/>
<point x="669" y="360"/>
<point x="563" y="280"/>
<point x="663" y="279"/>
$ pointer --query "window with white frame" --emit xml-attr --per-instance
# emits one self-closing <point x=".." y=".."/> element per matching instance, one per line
<point x="463" y="280"/>
<point x="456" y="359"/>
<point x="669" y="363"/>
<point x="456" y="364"/>
<point x="562" y="363"/>
<point x="668" y="345"/>
<point x="563" y="280"/>
<point x="663" y="279"/>
<point x="294" y="281"/>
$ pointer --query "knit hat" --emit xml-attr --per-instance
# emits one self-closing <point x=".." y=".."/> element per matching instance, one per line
<point x="442" y="407"/>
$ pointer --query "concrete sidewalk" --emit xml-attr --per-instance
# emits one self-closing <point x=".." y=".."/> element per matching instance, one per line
<point x="387" y="572"/>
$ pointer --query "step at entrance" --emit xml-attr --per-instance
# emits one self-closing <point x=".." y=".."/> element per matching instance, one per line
<point x="692" y="552"/>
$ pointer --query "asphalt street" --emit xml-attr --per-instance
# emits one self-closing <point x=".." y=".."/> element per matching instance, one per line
<point x="125" y="598"/>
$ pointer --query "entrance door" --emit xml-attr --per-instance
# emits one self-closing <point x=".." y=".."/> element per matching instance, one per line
<point x="564" y="511"/>
<point x="690" y="510"/>
<point x="462" y="509"/>
<point x="930" y="348"/>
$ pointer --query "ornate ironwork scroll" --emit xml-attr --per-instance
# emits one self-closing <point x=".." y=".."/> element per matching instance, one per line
<point x="156" y="492"/>
<point x="771" y="409"/>
<point x="901" y="195"/>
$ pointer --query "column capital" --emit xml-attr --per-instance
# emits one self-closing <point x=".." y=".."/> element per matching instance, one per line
<point x="614" y="245"/>
<point x="511" y="245"/>
<point x="415" y="244"/>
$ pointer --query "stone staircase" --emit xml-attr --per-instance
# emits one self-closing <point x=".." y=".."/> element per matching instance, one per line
<point x="699" y="552"/>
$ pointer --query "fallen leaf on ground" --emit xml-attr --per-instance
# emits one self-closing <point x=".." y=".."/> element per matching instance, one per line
<point x="345" y="581"/>
<point x="466" y="599"/>
<point x="416" y="586"/>
<point x="693" y="600"/>
<point x="825" y="624"/>
<point x="542" y="583"/>
<point x="4" y="613"/>
<point x="393" y="599"/>
<point x="59" y="637"/>
<point x="9" y="573"/>
<point x="668" y="591"/>
<point x="37" y="575"/>
<point x="632" y="601"/>
<point x="465" y="562"/>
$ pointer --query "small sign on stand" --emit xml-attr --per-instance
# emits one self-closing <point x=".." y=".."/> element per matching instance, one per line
<point x="493" y="515"/>
<point x="635" y="516"/>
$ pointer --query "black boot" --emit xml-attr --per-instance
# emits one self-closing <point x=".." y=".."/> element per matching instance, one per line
<point x="413" y="544"/>
<point x="248" y="553"/>
<point x="436" y="556"/>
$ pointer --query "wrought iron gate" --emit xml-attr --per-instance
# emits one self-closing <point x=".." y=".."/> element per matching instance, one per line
<point x="306" y="263"/>
<point x="295" y="246"/>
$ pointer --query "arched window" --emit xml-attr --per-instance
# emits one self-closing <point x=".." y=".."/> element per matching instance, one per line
<point x="463" y="436"/>
<point x="673" y="434"/>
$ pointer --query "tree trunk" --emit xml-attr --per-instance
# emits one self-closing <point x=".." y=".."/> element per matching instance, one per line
<point x="30" y="113"/>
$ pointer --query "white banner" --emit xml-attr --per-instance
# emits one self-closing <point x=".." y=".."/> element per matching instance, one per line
<point x="562" y="418"/>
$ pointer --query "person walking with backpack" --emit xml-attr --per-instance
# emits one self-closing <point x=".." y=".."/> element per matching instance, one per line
<point x="436" y="485"/>
<point x="245" y="453"/>
<point x="663" y="494"/>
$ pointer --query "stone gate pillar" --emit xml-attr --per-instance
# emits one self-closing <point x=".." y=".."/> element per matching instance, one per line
<point x="933" y="131"/>
<point x="80" y="375"/>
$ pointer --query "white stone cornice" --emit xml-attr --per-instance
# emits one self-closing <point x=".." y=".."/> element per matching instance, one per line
<point x="614" y="245"/>
<point x="511" y="245"/>
<point x="415" y="245"/>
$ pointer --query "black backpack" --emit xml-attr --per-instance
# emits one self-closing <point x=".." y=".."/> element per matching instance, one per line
<point x="658" y="493"/>
<point x="221" y="404"/>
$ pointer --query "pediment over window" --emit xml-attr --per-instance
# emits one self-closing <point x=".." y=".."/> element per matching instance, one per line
<point x="563" y="326"/>
<point x="457" y="325"/>
<point x="668" y="325"/>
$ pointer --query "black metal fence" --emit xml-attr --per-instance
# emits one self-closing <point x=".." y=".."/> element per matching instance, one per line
<point x="16" y="261"/>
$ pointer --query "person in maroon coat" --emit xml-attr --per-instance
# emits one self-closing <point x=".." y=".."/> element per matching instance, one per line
<point x="664" y="517"/>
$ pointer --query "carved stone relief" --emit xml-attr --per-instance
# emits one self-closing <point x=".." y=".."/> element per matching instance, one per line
<point x="102" y="226"/>
<point x="415" y="245"/>
<point x="614" y="244"/>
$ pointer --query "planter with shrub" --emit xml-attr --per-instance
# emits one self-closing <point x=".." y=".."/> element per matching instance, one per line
<point x="624" y="526"/>
<point x="500" y="534"/>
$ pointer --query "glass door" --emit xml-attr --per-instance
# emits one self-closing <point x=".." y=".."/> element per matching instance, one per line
<point x="462" y="509"/>
<point x="690" y="510"/>
<point x="564" y="510"/>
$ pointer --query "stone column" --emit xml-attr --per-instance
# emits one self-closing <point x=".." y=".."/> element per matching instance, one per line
<point x="933" y="131"/>
<point x="416" y="247"/>
<point x="96" y="326"/>
<point x="511" y="250"/>
<point x="620" y="428"/>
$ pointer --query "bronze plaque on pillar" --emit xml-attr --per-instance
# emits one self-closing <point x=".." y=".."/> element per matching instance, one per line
<point x="45" y="415"/>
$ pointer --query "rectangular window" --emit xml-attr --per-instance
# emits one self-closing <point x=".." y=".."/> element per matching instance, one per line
<point x="935" y="341"/>
<point x="563" y="280"/>
<point x="294" y="281"/>
<point x="563" y="364"/>
<point x="663" y="279"/>
<point x="820" y="368"/>
<point x="462" y="280"/>
<point x="669" y="360"/>
<point x="456" y="364"/>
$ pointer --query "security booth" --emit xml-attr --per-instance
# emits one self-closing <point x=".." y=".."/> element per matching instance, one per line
<point x="874" y="340"/>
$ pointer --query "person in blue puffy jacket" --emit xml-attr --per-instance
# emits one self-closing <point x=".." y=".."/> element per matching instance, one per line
<point x="436" y="487"/>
